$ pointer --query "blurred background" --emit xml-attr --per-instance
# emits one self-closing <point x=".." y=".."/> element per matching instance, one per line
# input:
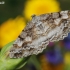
<point x="14" y="15"/>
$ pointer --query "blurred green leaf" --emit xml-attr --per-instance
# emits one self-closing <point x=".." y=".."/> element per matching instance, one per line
<point x="7" y="63"/>
<point x="5" y="49"/>
<point x="67" y="67"/>
<point x="35" y="62"/>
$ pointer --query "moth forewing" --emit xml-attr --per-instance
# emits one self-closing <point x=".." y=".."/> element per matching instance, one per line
<point x="39" y="32"/>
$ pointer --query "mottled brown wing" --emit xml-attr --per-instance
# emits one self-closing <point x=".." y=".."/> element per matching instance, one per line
<point x="39" y="32"/>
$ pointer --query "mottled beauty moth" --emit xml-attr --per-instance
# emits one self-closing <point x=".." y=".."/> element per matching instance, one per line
<point x="39" y="32"/>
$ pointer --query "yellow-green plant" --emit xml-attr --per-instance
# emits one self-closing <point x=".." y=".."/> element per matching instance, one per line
<point x="7" y="63"/>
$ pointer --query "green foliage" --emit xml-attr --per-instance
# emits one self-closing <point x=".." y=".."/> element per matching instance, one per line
<point x="7" y="63"/>
<point x="67" y="67"/>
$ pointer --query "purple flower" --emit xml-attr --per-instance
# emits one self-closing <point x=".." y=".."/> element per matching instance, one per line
<point x="54" y="56"/>
<point x="66" y="42"/>
<point x="51" y="44"/>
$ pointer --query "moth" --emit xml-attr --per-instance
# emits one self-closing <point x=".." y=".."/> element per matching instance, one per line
<point x="41" y="30"/>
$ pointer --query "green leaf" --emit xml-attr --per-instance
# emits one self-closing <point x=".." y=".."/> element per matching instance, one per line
<point x="11" y="64"/>
<point x="35" y="61"/>
<point x="5" y="49"/>
<point x="7" y="63"/>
